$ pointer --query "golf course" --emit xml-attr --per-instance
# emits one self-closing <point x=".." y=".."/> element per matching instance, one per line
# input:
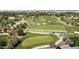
<point x="26" y="30"/>
<point x="42" y="24"/>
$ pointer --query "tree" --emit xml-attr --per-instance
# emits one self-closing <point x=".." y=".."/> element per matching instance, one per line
<point x="3" y="40"/>
<point x="13" y="42"/>
<point x="20" y="31"/>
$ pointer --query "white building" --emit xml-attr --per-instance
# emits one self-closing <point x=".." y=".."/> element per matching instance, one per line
<point x="11" y="17"/>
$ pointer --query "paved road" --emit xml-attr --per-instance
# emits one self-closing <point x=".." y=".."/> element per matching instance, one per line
<point x="41" y="47"/>
<point x="4" y="34"/>
<point x="62" y="22"/>
<point x="59" y="41"/>
<point x="36" y="32"/>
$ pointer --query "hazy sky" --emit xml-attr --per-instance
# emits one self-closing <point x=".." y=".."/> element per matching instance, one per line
<point x="39" y="4"/>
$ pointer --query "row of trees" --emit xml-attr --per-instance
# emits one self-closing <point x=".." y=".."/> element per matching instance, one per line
<point x="16" y="34"/>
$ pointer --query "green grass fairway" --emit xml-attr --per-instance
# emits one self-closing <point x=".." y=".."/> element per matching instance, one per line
<point x="46" y="18"/>
<point x="38" y="40"/>
<point x="47" y="22"/>
<point x="47" y="27"/>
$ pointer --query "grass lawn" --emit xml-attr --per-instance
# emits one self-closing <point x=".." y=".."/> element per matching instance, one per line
<point x="4" y="39"/>
<point x="33" y="40"/>
<point x="72" y="29"/>
<point x="75" y="39"/>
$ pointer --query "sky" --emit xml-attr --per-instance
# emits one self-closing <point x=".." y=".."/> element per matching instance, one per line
<point x="39" y="5"/>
